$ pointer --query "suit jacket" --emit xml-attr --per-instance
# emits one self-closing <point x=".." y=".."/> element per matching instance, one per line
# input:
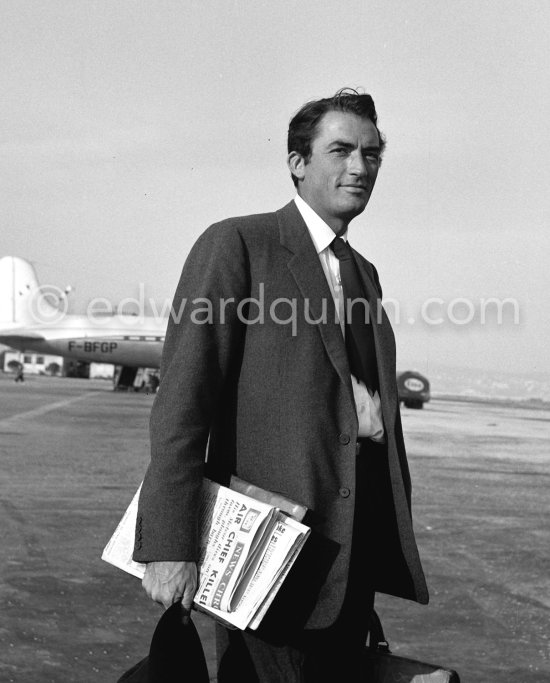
<point x="273" y="403"/>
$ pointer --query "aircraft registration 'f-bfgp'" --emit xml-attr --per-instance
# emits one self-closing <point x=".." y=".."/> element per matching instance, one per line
<point x="29" y="321"/>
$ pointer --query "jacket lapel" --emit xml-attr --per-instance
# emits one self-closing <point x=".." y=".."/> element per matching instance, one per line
<point x="384" y="341"/>
<point x="307" y="271"/>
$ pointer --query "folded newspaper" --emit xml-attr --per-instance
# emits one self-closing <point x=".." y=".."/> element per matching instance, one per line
<point x="248" y="545"/>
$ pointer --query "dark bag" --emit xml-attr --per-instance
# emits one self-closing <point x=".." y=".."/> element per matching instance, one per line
<point x="383" y="667"/>
<point x="175" y="654"/>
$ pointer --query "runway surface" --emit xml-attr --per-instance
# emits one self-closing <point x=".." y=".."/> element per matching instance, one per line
<point x="72" y="453"/>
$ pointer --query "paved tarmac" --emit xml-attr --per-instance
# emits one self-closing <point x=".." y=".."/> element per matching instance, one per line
<point x="72" y="453"/>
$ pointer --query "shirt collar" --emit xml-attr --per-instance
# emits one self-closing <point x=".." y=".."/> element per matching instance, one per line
<point x="321" y="233"/>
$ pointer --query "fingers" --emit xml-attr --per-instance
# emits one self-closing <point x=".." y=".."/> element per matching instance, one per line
<point x="169" y="582"/>
<point x="159" y="593"/>
<point x="187" y="597"/>
<point x="189" y="591"/>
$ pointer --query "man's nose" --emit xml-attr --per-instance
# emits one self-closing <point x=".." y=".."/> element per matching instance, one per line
<point x="357" y="164"/>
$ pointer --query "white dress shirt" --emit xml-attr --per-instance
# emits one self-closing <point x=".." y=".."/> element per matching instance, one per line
<point x="369" y="411"/>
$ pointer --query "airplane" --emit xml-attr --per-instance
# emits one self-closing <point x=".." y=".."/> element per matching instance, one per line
<point x="33" y="318"/>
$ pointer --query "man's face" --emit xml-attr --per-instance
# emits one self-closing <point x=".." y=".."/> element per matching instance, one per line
<point x="338" y="179"/>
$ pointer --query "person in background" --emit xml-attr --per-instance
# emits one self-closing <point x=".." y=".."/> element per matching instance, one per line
<point x="19" y="374"/>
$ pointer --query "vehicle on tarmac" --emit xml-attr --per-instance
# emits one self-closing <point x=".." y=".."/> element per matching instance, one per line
<point x="413" y="389"/>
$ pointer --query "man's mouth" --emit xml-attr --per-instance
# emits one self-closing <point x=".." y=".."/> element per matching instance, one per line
<point x="360" y="188"/>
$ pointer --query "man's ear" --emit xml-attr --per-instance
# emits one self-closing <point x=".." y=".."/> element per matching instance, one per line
<point x="296" y="165"/>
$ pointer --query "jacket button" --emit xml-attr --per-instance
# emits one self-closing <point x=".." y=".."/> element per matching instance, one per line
<point x="344" y="439"/>
<point x="344" y="492"/>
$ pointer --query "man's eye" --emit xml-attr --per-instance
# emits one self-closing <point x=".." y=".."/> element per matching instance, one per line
<point x="372" y="157"/>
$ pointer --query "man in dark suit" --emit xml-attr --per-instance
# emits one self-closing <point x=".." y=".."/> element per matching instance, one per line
<point x="277" y="379"/>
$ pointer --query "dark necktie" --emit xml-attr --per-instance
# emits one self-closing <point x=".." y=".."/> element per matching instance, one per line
<point x="358" y="318"/>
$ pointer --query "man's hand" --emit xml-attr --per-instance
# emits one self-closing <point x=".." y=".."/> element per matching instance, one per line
<point x="168" y="582"/>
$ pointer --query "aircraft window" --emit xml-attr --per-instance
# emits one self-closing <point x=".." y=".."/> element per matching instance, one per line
<point x="40" y="360"/>
<point x="27" y="359"/>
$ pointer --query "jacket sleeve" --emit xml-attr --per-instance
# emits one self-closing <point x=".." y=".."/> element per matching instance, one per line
<point x="203" y="335"/>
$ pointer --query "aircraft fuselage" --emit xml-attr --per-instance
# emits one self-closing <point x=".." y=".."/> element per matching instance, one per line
<point x="130" y="344"/>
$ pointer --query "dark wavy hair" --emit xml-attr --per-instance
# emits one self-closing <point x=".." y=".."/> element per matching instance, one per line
<point x="303" y="126"/>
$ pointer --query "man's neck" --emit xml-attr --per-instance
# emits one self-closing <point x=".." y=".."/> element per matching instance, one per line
<point x="338" y="225"/>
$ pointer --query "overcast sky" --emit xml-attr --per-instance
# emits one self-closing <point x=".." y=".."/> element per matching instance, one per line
<point x="128" y="127"/>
